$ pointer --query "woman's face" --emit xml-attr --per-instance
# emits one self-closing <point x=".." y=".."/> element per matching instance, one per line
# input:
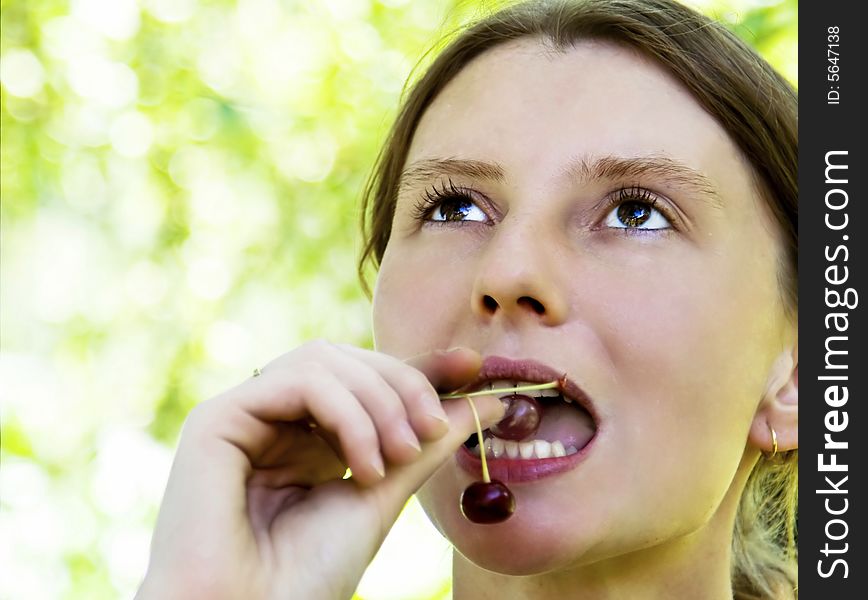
<point x="668" y="316"/>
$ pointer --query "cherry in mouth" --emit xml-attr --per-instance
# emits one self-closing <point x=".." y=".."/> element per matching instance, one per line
<point x="521" y="419"/>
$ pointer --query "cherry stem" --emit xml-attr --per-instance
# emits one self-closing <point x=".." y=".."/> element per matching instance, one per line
<point x="469" y="396"/>
<point x="485" y="476"/>
<point x="521" y="388"/>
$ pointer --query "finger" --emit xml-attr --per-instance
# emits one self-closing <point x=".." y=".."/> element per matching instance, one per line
<point x="448" y="370"/>
<point x="399" y="442"/>
<point x="403" y="481"/>
<point x="311" y="390"/>
<point x="421" y="402"/>
<point x="382" y="402"/>
<point x="299" y="457"/>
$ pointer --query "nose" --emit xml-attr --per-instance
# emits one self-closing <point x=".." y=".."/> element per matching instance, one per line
<point x="519" y="278"/>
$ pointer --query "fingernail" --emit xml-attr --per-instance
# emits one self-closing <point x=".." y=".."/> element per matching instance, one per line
<point x="448" y="351"/>
<point x="490" y="419"/>
<point x="377" y="464"/>
<point x="438" y="414"/>
<point x="408" y="436"/>
<point x="487" y="423"/>
<point x="435" y="411"/>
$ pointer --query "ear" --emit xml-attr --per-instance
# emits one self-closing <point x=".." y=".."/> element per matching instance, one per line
<point x="779" y="407"/>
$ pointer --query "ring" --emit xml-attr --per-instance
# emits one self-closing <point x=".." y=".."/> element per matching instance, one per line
<point x="774" y="443"/>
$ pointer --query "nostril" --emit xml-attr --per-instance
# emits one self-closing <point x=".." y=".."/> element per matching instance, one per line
<point x="536" y="305"/>
<point x="491" y="304"/>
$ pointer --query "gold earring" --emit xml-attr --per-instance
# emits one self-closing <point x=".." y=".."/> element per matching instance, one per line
<point x="774" y="443"/>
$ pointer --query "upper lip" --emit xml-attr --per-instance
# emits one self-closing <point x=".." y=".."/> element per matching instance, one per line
<point x="499" y="367"/>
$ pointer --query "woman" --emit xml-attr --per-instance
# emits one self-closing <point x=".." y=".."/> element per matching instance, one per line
<point x="605" y="189"/>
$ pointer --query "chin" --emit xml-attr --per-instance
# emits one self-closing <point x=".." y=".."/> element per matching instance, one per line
<point x="532" y="541"/>
<point x="513" y="559"/>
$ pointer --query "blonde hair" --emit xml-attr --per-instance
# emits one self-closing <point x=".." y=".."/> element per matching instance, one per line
<point x="755" y="105"/>
<point x="764" y="538"/>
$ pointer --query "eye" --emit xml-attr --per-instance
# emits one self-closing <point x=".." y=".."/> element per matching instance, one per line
<point x="634" y="208"/>
<point x="456" y="208"/>
<point x="449" y="204"/>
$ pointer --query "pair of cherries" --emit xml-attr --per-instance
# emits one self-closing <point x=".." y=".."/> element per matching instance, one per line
<point x="490" y="501"/>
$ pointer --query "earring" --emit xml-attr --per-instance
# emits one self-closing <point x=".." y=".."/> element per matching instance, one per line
<point x="774" y="443"/>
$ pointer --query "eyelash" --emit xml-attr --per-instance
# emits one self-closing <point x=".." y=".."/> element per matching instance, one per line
<point x="639" y="195"/>
<point x="434" y="196"/>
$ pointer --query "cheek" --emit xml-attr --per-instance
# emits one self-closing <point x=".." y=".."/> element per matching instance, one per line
<point x="704" y="321"/>
<point x="692" y="350"/>
<point x="411" y="303"/>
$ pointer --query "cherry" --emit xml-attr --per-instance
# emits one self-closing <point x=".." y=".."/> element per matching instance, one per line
<point x="487" y="502"/>
<point x="521" y="419"/>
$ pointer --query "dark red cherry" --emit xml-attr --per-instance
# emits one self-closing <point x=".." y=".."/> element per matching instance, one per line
<point x="521" y="419"/>
<point x="487" y="503"/>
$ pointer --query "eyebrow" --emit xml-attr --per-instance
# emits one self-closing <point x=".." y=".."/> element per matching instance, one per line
<point x="423" y="171"/>
<point x="581" y="169"/>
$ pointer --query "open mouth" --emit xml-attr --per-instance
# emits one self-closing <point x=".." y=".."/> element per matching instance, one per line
<point x="567" y="423"/>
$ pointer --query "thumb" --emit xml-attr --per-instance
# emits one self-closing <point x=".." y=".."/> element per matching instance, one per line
<point x="402" y="481"/>
<point x="448" y="369"/>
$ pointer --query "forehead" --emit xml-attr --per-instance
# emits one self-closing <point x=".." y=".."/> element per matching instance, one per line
<point x="530" y="108"/>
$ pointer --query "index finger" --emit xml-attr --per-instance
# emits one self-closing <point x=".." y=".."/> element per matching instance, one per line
<point x="419" y="378"/>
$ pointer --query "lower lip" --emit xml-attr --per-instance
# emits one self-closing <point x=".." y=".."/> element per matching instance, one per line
<point x="508" y="470"/>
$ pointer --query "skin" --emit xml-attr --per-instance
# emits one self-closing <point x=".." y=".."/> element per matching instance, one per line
<point x="677" y="335"/>
<point x="257" y="505"/>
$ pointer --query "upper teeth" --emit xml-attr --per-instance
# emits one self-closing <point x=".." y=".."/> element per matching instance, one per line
<point x="501" y="384"/>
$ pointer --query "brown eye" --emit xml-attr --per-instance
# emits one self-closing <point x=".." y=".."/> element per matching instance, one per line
<point x="454" y="209"/>
<point x="457" y="209"/>
<point x="449" y="202"/>
<point x="634" y="214"/>
<point x="634" y="210"/>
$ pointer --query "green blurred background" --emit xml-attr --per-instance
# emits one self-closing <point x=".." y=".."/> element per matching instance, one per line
<point x="180" y="190"/>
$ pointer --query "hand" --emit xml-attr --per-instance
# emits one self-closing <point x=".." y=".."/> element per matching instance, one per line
<point x="256" y="505"/>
